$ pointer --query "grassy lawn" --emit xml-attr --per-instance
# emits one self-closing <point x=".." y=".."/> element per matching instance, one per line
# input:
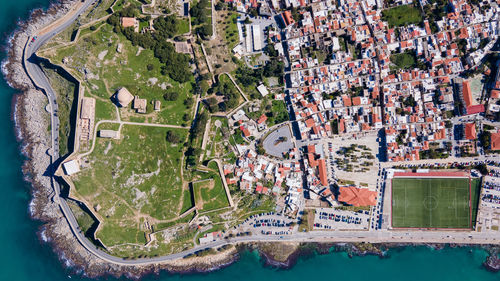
<point x="104" y="110"/>
<point x="99" y="11"/>
<point x="216" y="141"/>
<point x="209" y="193"/>
<point x="183" y="26"/>
<point x="430" y="202"/>
<point x="231" y="30"/>
<point x="135" y="177"/>
<point x="143" y="24"/>
<point x="280" y="114"/>
<point x="251" y="204"/>
<point x="88" y="30"/>
<point x="138" y="71"/>
<point x="183" y="240"/>
<point x="108" y="126"/>
<point x="85" y="221"/>
<point x="403" y="60"/>
<point x="402" y="15"/>
<point x="306" y="222"/>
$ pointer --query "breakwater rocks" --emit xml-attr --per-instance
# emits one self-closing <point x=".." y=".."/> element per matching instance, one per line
<point x="492" y="263"/>
<point x="286" y="254"/>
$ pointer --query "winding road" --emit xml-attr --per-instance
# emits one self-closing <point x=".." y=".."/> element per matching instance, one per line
<point x="41" y="82"/>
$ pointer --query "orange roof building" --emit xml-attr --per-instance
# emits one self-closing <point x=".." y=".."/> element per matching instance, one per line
<point x="495" y="141"/>
<point x="322" y="172"/>
<point x="470" y="131"/>
<point x="357" y="196"/>
<point x="262" y="119"/>
<point x="128" y="22"/>
<point x="467" y="94"/>
<point x="245" y="131"/>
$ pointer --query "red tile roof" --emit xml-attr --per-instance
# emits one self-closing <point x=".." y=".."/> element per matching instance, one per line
<point x="245" y="131"/>
<point x="495" y="141"/>
<point x="358" y="196"/>
<point x="262" y="119"/>
<point x="322" y="172"/>
<point x="474" y="109"/>
<point x="470" y="131"/>
<point x="309" y="123"/>
<point x="128" y="22"/>
<point x="467" y="94"/>
<point x="495" y="94"/>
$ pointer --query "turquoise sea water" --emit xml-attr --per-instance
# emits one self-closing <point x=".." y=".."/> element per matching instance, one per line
<point x="24" y="258"/>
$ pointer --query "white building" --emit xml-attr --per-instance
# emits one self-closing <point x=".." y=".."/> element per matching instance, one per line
<point x="262" y="90"/>
<point x="257" y="38"/>
<point x="71" y="167"/>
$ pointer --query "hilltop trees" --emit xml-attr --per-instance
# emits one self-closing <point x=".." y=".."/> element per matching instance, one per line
<point x="176" y="65"/>
<point x="200" y="16"/>
<point x="167" y="26"/>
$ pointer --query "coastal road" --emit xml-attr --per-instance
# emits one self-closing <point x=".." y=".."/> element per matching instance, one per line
<point x="40" y="80"/>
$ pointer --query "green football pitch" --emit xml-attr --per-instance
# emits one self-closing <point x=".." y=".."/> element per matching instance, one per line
<point x="431" y="203"/>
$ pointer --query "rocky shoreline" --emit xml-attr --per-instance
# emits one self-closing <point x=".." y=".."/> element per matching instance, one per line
<point x="304" y="250"/>
<point x="32" y="122"/>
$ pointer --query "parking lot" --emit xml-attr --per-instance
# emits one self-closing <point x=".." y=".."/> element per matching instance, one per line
<point x="331" y="163"/>
<point x="268" y="224"/>
<point x="278" y="142"/>
<point x="332" y="219"/>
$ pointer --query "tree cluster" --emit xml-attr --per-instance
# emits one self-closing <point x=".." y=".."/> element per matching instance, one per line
<point x="176" y="65"/>
<point x="230" y="93"/>
<point x="199" y="126"/>
<point x="197" y="130"/>
<point x="171" y="95"/>
<point x="200" y="15"/>
<point x="167" y="26"/>
<point x="173" y="137"/>
<point x="247" y="76"/>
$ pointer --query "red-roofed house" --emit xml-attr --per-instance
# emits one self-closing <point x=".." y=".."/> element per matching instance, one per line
<point x="245" y="131"/>
<point x="262" y="119"/>
<point x="495" y="94"/>
<point x="495" y="141"/>
<point x="130" y="22"/>
<point x="466" y="93"/>
<point x="474" y="109"/>
<point x="357" y="196"/>
<point x="309" y="123"/>
<point x="322" y="172"/>
<point x="356" y="101"/>
<point x="470" y="131"/>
